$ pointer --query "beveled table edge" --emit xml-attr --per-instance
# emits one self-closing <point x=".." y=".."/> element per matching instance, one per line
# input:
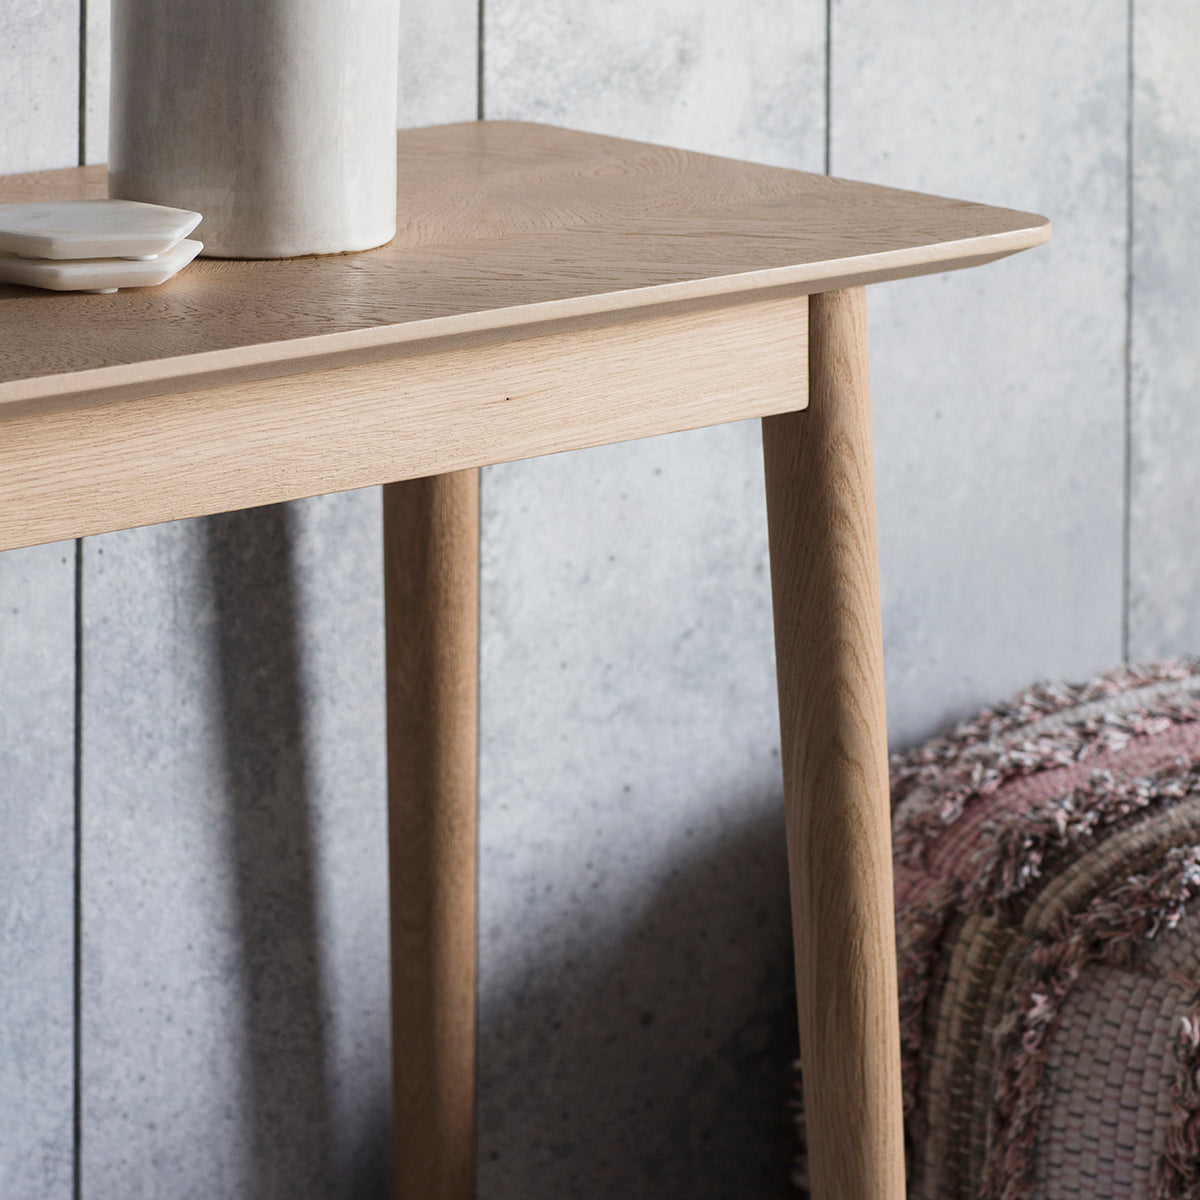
<point x="22" y="397"/>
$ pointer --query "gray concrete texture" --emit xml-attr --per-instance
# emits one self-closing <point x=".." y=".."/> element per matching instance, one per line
<point x="39" y="60"/>
<point x="998" y="393"/>
<point x="234" y="1022"/>
<point x="95" y="68"/>
<point x="1164" y="517"/>
<point x="635" y="998"/>
<point x="37" y="870"/>
<point x="39" y="85"/>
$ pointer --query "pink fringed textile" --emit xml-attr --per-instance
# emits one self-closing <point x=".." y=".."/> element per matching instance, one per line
<point x="1047" y="859"/>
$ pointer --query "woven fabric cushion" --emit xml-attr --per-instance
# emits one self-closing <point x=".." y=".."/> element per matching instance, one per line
<point x="1048" y="893"/>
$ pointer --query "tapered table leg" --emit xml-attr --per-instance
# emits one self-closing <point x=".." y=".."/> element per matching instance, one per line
<point x="829" y="658"/>
<point x="431" y="574"/>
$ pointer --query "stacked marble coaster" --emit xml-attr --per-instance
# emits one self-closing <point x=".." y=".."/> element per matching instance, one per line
<point x="94" y="245"/>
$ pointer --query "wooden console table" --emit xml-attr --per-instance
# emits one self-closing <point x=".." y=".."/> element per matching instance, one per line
<point x="548" y="290"/>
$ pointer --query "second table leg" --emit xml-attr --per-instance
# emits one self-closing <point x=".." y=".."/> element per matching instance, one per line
<point x="431" y="585"/>
<point x="829" y="659"/>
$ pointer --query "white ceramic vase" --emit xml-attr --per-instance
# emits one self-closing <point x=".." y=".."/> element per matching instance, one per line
<point x="275" y="119"/>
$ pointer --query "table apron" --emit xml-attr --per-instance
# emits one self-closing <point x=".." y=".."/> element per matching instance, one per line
<point x="134" y="462"/>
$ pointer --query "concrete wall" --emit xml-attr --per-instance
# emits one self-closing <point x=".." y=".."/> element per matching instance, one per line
<point x="193" y="989"/>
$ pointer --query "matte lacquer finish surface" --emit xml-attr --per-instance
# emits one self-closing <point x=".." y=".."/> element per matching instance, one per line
<point x="501" y="224"/>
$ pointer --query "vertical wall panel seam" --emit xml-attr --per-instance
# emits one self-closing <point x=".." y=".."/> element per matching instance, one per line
<point x="828" y="85"/>
<point x="479" y="62"/>
<point x="483" y="475"/>
<point x="1127" y="480"/>
<point x="77" y="873"/>
<point x="83" y="82"/>
<point x="77" y="920"/>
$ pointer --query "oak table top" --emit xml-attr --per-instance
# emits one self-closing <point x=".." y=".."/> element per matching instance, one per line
<point x="501" y="224"/>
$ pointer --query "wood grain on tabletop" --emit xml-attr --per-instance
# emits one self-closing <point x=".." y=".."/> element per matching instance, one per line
<point x="500" y="224"/>
<point x="829" y="659"/>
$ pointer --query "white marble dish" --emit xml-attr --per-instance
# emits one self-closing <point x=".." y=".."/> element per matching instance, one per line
<point x="91" y="229"/>
<point x="97" y="274"/>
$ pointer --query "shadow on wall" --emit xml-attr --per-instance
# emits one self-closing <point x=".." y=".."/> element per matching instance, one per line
<point x="655" y="1065"/>
<point x="250" y="561"/>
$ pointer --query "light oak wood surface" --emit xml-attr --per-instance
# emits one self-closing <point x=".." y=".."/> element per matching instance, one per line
<point x="501" y="224"/>
<point x="431" y="583"/>
<point x="81" y="471"/>
<point x="829" y="661"/>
